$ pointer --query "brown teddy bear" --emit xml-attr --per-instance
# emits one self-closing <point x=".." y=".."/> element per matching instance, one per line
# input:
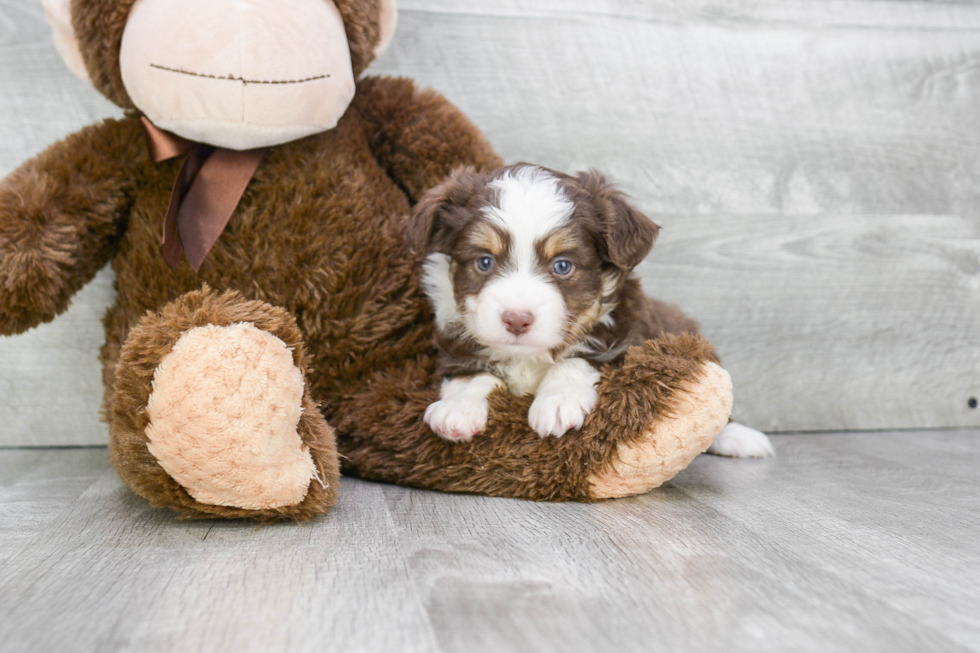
<point x="252" y="204"/>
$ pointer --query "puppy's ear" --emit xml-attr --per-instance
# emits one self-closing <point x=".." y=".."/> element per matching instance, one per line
<point x="441" y="213"/>
<point x="627" y="235"/>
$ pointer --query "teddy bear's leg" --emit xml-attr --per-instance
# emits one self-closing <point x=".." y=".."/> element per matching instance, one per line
<point x="657" y="411"/>
<point x="211" y="416"/>
<point x="695" y="413"/>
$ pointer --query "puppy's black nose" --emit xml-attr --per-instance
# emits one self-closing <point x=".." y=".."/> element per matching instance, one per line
<point x="517" y="322"/>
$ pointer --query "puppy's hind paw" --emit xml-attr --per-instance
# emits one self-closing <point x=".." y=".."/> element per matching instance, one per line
<point x="739" y="441"/>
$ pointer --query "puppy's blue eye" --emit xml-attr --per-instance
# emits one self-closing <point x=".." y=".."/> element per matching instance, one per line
<point x="484" y="263"/>
<point x="562" y="267"/>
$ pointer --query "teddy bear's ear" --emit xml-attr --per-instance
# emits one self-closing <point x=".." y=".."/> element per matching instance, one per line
<point x="388" y="22"/>
<point x="627" y="236"/>
<point x="59" y="16"/>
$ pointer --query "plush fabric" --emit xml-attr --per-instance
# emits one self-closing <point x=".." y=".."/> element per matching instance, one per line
<point x="183" y="62"/>
<point x="99" y="26"/>
<point x="148" y="345"/>
<point x="655" y="413"/>
<point x="62" y="218"/>
<point x="649" y="461"/>
<point x="223" y="414"/>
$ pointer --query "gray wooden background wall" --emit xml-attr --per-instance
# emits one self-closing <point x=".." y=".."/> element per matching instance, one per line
<point x="816" y="168"/>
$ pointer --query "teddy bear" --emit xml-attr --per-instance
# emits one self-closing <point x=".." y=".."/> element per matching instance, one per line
<point x="269" y="326"/>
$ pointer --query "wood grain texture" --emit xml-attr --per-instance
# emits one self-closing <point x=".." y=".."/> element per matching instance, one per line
<point x="36" y="485"/>
<point x="802" y="132"/>
<point x="845" y="542"/>
<point x="846" y="322"/>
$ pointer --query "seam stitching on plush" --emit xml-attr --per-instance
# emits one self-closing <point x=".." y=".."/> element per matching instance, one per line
<point x="232" y="78"/>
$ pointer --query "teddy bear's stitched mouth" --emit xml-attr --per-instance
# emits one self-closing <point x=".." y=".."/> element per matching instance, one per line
<point x="233" y="78"/>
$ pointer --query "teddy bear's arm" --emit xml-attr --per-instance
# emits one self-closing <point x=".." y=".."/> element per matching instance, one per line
<point x="418" y="136"/>
<point x="62" y="214"/>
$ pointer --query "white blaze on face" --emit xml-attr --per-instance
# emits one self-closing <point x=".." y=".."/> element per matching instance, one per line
<point x="530" y="205"/>
<point x="238" y="74"/>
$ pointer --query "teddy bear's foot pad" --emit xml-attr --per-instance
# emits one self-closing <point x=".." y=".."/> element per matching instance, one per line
<point x="698" y="415"/>
<point x="223" y="417"/>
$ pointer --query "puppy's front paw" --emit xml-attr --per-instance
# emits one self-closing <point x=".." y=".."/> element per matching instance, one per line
<point x="559" y="411"/>
<point x="457" y="419"/>
<point x="739" y="441"/>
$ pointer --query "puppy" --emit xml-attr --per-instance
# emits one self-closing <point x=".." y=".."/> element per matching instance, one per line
<point x="529" y="272"/>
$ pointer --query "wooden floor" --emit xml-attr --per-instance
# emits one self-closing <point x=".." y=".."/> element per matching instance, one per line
<point x="856" y="542"/>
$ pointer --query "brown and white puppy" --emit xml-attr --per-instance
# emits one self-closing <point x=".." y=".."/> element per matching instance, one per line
<point x="529" y="274"/>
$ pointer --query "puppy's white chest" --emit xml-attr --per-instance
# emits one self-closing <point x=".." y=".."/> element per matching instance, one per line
<point x="523" y="375"/>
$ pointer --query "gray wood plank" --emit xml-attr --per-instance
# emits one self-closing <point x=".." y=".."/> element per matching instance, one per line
<point x="848" y="107"/>
<point x="904" y="14"/>
<point x="37" y="485"/>
<point x="833" y="322"/>
<point x="846" y="542"/>
<point x="51" y="379"/>
<point x="657" y="573"/>
<point x="113" y="574"/>
<point x="884" y="512"/>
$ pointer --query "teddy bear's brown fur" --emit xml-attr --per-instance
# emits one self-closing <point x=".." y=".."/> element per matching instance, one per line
<point x="314" y="254"/>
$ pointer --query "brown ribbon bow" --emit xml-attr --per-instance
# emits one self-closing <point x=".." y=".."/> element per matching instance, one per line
<point x="208" y="188"/>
